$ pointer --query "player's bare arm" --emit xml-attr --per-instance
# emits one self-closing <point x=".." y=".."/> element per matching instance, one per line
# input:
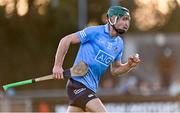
<point x="117" y="68"/>
<point x="61" y="52"/>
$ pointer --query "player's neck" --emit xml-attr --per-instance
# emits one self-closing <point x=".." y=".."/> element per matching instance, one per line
<point x="112" y="32"/>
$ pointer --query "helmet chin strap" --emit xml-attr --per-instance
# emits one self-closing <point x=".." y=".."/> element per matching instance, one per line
<point x="119" y="31"/>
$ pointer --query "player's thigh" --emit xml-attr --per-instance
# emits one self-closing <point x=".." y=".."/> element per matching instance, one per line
<point x="74" y="109"/>
<point x="95" y="105"/>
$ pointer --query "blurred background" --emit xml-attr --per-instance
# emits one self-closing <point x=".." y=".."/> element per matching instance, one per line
<point x="30" y="31"/>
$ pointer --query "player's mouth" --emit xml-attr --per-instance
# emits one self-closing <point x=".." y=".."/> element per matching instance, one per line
<point x="125" y="28"/>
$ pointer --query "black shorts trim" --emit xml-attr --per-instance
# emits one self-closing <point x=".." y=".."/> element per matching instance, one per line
<point x="79" y="94"/>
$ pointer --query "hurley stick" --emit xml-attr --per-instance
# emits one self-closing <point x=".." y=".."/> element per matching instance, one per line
<point x="79" y="69"/>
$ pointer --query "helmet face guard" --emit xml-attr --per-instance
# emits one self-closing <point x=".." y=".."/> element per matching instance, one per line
<point x="118" y="12"/>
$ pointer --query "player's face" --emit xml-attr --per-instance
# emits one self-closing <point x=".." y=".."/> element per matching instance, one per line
<point x="123" y="23"/>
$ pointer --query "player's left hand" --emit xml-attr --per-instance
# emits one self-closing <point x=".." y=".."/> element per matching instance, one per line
<point x="133" y="61"/>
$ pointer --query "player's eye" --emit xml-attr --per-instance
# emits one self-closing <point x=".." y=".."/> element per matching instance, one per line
<point x="126" y="18"/>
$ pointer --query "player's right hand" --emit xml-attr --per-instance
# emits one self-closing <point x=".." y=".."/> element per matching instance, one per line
<point x="58" y="72"/>
<point x="133" y="60"/>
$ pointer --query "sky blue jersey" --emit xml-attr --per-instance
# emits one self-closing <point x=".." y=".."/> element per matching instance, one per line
<point x="98" y="49"/>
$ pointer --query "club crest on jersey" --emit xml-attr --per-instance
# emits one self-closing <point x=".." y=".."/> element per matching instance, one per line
<point x="104" y="58"/>
<point x="116" y="49"/>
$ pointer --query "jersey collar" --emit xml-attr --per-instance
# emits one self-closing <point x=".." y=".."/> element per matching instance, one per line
<point x="106" y="28"/>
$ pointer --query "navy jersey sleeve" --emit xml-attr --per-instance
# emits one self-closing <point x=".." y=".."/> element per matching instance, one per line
<point x="120" y="53"/>
<point x="85" y="34"/>
<point x="119" y="56"/>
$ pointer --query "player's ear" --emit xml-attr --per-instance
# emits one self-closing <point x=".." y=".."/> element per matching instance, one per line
<point x="113" y="19"/>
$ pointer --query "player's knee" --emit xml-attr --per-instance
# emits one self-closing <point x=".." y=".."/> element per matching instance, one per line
<point x="72" y="109"/>
<point x="95" y="105"/>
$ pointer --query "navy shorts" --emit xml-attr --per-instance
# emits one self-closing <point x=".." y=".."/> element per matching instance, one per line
<point x="79" y="94"/>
